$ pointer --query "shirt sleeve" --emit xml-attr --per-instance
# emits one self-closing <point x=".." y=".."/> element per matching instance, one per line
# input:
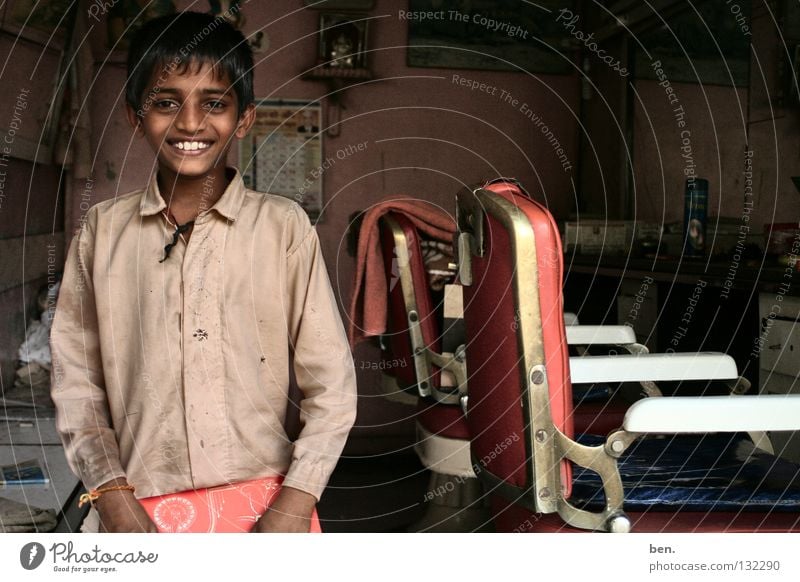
<point x="323" y="365"/>
<point x="78" y="385"/>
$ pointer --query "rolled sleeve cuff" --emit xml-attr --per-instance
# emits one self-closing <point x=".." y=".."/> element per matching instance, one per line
<point x="95" y="472"/>
<point x="308" y="476"/>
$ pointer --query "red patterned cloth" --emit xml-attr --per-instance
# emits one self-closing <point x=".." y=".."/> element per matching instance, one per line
<point x="231" y="508"/>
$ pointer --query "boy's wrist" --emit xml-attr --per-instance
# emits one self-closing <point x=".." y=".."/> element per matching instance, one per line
<point x="301" y="501"/>
<point x="114" y="496"/>
<point x="291" y="512"/>
<point x="118" y="482"/>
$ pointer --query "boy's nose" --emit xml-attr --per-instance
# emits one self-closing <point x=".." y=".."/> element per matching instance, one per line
<point x="190" y="119"/>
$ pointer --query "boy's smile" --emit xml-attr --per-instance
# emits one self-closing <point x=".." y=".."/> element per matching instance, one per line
<point x="190" y="118"/>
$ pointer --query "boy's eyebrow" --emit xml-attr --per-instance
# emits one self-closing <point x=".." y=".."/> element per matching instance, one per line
<point x="204" y="91"/>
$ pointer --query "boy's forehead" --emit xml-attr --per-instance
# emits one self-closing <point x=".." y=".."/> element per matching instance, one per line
<point x="189" y="75"/>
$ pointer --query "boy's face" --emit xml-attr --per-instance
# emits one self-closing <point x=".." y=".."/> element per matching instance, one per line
<point x="191" y="120"/>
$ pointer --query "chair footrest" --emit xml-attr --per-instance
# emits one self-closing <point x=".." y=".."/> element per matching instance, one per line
<point x="717" y="472"/>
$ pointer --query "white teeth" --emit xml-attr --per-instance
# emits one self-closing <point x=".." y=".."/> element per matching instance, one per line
<point x="192" y="145"/>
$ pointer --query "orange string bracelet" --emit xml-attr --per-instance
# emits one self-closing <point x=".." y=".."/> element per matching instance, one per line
<point x="95" y="494"/>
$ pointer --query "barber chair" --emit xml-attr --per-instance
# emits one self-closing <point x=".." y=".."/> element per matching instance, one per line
<point x="676" y="464"/>
<point x="423" y="363"/>
<point x="431" y="378"/>
<point x="600" y="408"/>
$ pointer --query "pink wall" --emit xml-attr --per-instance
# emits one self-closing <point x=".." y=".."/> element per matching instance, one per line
<point x="425" y="135"/>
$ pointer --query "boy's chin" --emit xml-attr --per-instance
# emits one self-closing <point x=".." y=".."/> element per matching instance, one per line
<point x="191" y="169"/>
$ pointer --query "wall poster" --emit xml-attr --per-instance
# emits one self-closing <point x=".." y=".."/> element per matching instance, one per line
<point x="283" y="152"/>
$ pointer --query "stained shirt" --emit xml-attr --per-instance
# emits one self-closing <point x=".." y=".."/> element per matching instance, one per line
<point x="176" y="374"/>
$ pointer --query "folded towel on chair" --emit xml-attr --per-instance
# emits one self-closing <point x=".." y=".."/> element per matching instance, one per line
<point x="368" y="307"/>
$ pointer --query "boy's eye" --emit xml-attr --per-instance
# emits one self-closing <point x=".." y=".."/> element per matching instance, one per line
<point x="166" y="105"/>
<point x="215" y="105"/>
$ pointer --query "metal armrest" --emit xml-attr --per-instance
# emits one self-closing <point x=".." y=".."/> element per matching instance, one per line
<point x="578" y="335"/>
<point x="674" y="415"/>
<point x="703" y="414"/>
<point x="622" y="336"/>
<point x="652" y="367"/>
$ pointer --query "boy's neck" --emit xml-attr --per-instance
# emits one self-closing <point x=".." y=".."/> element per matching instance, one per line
<point x="187" y="196"/>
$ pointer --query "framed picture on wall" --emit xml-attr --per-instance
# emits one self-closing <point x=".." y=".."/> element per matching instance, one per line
<point x="282" y="154"/>
<point x="343" y="41"/>
<point x="513" y="35"/>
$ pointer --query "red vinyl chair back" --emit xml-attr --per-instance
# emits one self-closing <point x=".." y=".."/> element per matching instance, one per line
<point x="513" y="312"/>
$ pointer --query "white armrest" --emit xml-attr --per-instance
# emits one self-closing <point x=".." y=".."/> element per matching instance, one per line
<point x="585" y="335"/>
<point x="652" y="367"/>
<point x="682" y="414"/>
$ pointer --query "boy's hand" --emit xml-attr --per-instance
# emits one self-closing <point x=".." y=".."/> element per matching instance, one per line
<point x="121" y="512"/>
<point x="290" y="513"/>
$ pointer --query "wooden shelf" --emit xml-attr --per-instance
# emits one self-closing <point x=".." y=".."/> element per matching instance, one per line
<point x="321" y="73"/>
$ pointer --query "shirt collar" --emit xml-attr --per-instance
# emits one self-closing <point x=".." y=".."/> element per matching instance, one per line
<point x="228" y="205"/>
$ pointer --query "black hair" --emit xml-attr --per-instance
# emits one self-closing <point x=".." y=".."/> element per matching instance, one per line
<point x="176" y="41"/>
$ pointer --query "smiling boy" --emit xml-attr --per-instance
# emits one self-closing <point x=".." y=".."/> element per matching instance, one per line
<point x="184" y="305"/>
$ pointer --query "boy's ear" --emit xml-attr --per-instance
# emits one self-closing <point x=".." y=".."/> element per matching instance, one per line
<point x="134" y="119"/>
<point x="246" y="121"/>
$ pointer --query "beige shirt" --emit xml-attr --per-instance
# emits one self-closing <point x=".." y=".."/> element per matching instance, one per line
<point x="175" y="374"/>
